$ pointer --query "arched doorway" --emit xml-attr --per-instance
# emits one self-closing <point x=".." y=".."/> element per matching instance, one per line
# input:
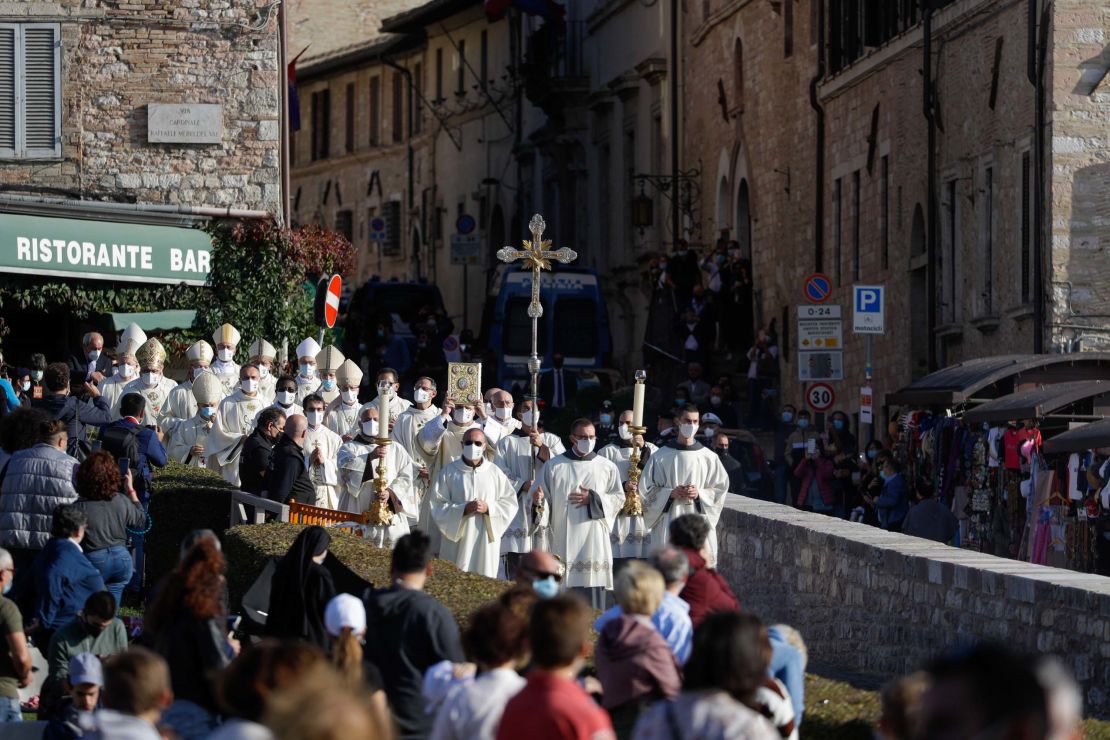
<point x="744" y="220"/>
<point x="919" y="297"/>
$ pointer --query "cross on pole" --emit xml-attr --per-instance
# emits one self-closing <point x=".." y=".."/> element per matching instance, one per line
<point x="536" y="256"/>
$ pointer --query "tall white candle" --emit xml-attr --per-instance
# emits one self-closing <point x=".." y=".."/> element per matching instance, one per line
<point x="638" y="404"/>
<point x="383" y="411"/>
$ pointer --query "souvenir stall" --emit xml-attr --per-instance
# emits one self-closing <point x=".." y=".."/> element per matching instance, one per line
<point x="1086" y="448"/>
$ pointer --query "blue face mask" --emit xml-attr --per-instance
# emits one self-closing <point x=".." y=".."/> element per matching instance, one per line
<point x="546" y="588"/>
<point x="680" y="402"/>
<point x="803" y="423"/>
<point x="838" y="424"/>
<point x="787" y="417"/>
<point x="872" y="454"/>
<point x="8" y="586"/>
<point x="719" y="259"/>
<point x="207" y="411"/>
<point x="606" y="419"/>
<point x="883" y="475"/>
<point x="328" y="385"/>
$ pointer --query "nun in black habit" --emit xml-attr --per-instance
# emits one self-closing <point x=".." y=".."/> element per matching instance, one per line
<point x="301" y="589"/>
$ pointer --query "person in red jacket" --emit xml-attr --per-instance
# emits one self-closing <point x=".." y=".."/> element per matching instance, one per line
<point x="552" y="706"/>
<point x="706" y="590"/>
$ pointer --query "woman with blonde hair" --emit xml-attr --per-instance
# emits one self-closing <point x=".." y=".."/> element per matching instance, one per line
<point x="345" y="621"/>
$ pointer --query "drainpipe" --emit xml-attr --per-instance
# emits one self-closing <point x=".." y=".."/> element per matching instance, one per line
<point x="411" y="155"/>
<point x="673" y="75"/>
<point x="929" y="102"/>
<point x="1035" y="70"/>
<point x="819" y="155"/>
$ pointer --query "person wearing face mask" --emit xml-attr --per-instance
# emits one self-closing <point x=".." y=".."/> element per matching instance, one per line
<point x="472" y="504"/>
<point x="37" y="369"/>
<point x="585" y="494"/>
<point x="94" y="631"/>
<point x="840" y="432"/>
<point x="358" y="463"/>
<point x="285" y="396"/>
<point x="441" y="443"/>
<point x="720" y="406"/>
<point x="630" y="537"/>
<point x="321" y="450"/>
<point x="719" y="443"/>
<point x="91" y="364"/>
<point x="499" y="422"/>
<point x="288" y="478"/>
<point x="151" y="384"/>
<point x="684" y="477"/>
<point x="258" y="450"/>
<point x="707" y="431"/>
<point x="127" y="368"/>
<point x="530" y="527"/>
<point x="410" y="421"/>
<point x="783" y="429"/>
<point x="307" y="379"/>
<point x="341" y="415"/>
<point x="181" y="405"/>
<point x="815" y="472"/>
<point x="21" y="384"/>
<point x="187" y="439"/>
<point x="226" y="340"/>
<point x="803" y="435"/>
<point x="328" y="361"/>
<point x="235" y="419"/>
<point x="264" y="355"/>
<point x="397" y="405"/>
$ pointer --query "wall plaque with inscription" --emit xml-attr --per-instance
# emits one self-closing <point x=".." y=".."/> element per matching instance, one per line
<point x="184" y="123"/>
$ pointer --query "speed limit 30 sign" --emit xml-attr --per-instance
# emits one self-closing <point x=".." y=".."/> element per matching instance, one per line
<point x="820" y="397"/>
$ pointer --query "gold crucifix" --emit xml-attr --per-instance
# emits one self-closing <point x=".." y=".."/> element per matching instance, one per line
<point x="536" y="256"/>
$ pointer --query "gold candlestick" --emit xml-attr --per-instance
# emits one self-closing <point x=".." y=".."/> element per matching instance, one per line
<point x="633" y="503"/>
<point x="380" y="513"/>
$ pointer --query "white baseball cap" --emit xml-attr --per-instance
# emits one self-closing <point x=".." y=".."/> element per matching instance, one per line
<point x="345" y="611"/>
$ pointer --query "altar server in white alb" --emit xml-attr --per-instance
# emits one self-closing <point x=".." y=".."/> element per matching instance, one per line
<point x="500" y="422"/>
<point x="321" y="450"/>
<point x="397" y="405"/>
<point x="342" y="413"/>
<point x="358" y="469"/>
<point x="684" y="477"/>
<point x="409" y="423"/>
<point x="472" y="505"/>
<point x="152" y="384"/>
<point x="264" y="356"/>
<point x="530" y="528"/>
<point x="235" y="419"/>
<point x="226" y="339"/>
<point x="181" y="404"/>
<point x="328" y="361"/>
<point x="187" y="442"/>
<point x="128" y="367"/>
<point x="307" y="379"/>
<point x="630" y="536"/>
<point x="584" y="491"/>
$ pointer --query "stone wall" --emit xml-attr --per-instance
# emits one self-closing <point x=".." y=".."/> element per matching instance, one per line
<point x="117" y="59"/>
<point x="879" y="605"/>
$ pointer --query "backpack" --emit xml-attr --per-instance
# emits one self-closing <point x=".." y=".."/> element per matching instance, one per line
<point x="121" y="442"/>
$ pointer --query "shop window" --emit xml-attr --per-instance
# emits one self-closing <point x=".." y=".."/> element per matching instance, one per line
<point x="30" y="91"/>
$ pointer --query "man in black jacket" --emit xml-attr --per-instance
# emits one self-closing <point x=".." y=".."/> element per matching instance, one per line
<point x="288" y="476"/>
<point x="90" y="364"/>
<point x="412" y="632"/>
<point x="258" y="450"/>
<point x="74" y="412"/>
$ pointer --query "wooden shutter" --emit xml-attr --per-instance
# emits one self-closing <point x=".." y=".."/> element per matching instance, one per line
<point x="7" y="91"/>
<point x="41" y="136"/>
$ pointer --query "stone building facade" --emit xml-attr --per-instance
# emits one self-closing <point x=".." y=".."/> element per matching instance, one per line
<point x="768" y="67"/>
<point x="92" y="69"/>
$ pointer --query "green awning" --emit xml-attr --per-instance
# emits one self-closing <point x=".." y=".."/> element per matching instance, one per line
<point x="154" y="320"/>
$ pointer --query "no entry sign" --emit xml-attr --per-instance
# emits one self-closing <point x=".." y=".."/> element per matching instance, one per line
<point x="820" y="397"/>
<point x="331" y="301"/>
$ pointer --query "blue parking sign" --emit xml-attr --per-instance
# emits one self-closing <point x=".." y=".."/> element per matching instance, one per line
<point x="868" y="303"/>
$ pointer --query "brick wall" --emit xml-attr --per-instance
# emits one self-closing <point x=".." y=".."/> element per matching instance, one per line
<point x="880" y="605"/>
<point x="117" y="61"/>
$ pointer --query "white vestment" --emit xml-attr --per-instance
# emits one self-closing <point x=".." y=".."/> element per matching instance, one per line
<point x="181" y="404"/>
<point x="341" y="418"/>
<point x="306" y="387"/>
<point x="407" y="430"/>
<point x="155" y="399"/>
<point x="514" y="457"/>
<point x="397" y="405"/>
<point x="183" y="435"/>
<point x="495" y="431"/>
<point x="110" y="389"/>
<point x="580" y="534"/>
<point x="293" y="409"/>
<point x="630" y="536"/>
<point x="227" y="373"/>
<point x="235" y="419"/>
<point x="672" y="466"/>
<point x="267" y="388"/>
<point x="356" y="496"/>
<point x="325" y="476"/>
<point x="440" y="445"/>
<point x="472" y="542"/>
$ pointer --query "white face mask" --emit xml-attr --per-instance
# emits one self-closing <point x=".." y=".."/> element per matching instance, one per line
<point x="150" y="379"/>
<point x="489" y="409"/>
<point x="584" y="446"/>
<point x="126" y="371"/>
<point x="226" y="354"/>
<point x="463" y="416"/>
<point x="421" y="396"/>
<point x="36" y="375"/>
<point x="263" y="371"/>
<point x="26" y="386"/>
<point x="529" y="419"/>
<point x="370" y="428"/>
<point x="349" y="396"/>
<point x="249" y="385"/>
<point x="286" y="398"/>
<point x="503" y="414"/>
<point x="314" y="418"/>
<point x="472" y="452"/>
<point x="308" y="371"/>
<point x="709" y="432"/>
<point x="93" y="355"/>
<point x="624" y="432"/>
<point x="197" y="371"/>
<point x="687" y="431"/>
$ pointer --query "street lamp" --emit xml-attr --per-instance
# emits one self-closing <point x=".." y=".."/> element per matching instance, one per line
<point x="643" y="210"/>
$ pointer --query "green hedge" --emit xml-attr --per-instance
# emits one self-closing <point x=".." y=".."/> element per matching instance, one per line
<point x="182" y="499"/>
<point x="249" y="547"/>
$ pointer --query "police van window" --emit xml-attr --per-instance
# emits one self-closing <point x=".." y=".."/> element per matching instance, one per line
<point x="518" y="328"/>
<point x="576" y="327"/>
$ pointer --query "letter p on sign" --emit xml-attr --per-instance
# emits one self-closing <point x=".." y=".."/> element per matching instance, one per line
<point x="868" y="316"/>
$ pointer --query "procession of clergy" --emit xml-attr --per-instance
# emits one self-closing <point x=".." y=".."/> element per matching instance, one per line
<point x="481" y="478"/>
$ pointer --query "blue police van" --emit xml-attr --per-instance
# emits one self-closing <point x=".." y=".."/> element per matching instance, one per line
<point x="575" y="323"/>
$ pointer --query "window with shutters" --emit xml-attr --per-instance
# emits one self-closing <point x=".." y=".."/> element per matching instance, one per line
<point x="391" y="212"/>
<point x="375" y="111"/>
<point x="30" y="91"/>
<point x="398" y="107"/>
